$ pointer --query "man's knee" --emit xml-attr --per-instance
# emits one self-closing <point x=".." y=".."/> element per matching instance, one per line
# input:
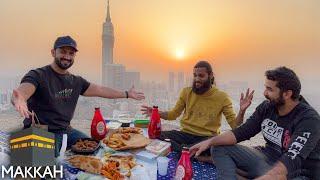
<point x="163" y="135"/>
<point x="222" y="151"/>
<point x="219" y="149"/>
<point x="75" y="135"/>
<point x="166" y="135"/>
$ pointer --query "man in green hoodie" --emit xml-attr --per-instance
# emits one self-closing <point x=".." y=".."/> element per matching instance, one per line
<point x="202" y="105"/>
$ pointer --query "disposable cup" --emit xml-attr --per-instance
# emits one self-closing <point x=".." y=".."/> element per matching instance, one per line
<point x="163" y="165"/>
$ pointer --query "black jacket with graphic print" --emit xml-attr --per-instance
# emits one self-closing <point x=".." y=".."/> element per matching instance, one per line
<point x="292" y="139"/>
<point x="55" y="98"/>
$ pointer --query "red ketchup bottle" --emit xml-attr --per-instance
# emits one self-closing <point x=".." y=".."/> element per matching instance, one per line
<point x="184" y="168"/>
<point x="98" y="126"/>
<point x="154" y="128"/>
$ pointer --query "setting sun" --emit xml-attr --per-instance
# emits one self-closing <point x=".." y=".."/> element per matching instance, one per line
<point x="180" y="53"/>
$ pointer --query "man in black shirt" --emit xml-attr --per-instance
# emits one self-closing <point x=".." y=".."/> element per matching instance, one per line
<point x="290" y="127"/>
<point x="52" y="92"/>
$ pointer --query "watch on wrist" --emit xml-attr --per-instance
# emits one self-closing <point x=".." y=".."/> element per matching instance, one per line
<point x="127" y="94"/>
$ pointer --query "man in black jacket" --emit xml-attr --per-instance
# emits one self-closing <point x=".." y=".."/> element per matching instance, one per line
<point x="290" y="127"/>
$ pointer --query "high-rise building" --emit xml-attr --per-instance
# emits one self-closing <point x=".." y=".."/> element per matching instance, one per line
<point x="189" y="81"/>
<point x="110" y="72"/>
<point x="180" y="81"/>
<point x="3" y="98"/>
<point x="107" y="39"/>
<point x="131" y="78"/>
<point x="171" y="82"/>
<point x="114" y="75"/>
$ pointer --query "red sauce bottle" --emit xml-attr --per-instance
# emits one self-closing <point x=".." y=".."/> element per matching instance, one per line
<point x="184" y="167"/>
<point x="154" y="128"/>
<point x="98" y="126"/>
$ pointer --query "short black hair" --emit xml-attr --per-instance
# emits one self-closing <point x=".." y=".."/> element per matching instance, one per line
<point x="286" y="80"/>
<point x="205" y="64"/>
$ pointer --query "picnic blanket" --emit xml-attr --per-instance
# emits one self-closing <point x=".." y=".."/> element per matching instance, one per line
<point x="200" y="170"/>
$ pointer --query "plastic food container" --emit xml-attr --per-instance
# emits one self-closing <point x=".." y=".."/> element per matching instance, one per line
<point x="158" y="147"/>
<point x="142" y="123"/>
<point x="113" y="125"/>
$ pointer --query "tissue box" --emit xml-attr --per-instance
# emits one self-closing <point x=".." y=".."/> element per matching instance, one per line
<point x="158" y="147"/>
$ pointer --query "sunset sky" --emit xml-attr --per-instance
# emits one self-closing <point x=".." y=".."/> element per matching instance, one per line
<point x="240" y="38"/>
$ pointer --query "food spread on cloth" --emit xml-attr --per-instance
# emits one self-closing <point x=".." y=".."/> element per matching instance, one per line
<point x="86" y="163"/>
<point x="126" y="138"/>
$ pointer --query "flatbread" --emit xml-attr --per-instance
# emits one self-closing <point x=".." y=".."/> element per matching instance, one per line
<point x="127" y="138"/>
<point x="86" y="163"/>
<point x="136" y="141"/>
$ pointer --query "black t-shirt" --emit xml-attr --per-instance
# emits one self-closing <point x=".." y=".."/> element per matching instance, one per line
<point x="55" y="98"/>
<point x="292" y="139"/>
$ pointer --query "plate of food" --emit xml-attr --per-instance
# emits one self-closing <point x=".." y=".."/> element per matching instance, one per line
<point x="111" y="170"/>
<point x="124" y="163"/>
<point x="85" y="146"/>
<point x="126" y="138"/>
<point x="88" y="164"/>
<point x="93" y="165"/>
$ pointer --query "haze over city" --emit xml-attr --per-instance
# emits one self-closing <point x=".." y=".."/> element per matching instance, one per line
<point x="240" y="39"/>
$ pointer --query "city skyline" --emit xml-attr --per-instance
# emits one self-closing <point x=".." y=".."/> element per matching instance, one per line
<point x="240" y="40"/>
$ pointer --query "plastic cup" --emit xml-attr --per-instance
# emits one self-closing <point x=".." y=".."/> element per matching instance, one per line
<point x="4" y="159"/>
<point x="163" y="163"/>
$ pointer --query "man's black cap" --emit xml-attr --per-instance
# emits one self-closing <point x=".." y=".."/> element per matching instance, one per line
<point x="64" y="41"/>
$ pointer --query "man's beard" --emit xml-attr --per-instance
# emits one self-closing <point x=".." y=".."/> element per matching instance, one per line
<point x="204" y="88"/>
<point x="279" y="102"/>
<point x="61" y="65"/>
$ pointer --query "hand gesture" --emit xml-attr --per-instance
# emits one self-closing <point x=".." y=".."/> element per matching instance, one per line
<point x="197" y="149"/>
<point x="146" y="110"/>
<point x="20" y="104"/>
<point x="134" y="94"/>
<point x="245" y="101"/>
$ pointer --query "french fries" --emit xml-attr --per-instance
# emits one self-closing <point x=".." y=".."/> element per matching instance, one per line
<point x="115" y="140"/>
<point x="125" y="163"/>
<point x="111" y="170"/>
<point x="126" y="136"/>
<point x="135" y="130"/>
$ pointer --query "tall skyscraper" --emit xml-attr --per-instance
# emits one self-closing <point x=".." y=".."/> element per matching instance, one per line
<point x="109" y="70"/>
<point x="114" y="75"/>
<point x="107" y="39"/>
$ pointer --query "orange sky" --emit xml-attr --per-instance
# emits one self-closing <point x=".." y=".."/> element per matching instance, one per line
<point x="241" y="38"/>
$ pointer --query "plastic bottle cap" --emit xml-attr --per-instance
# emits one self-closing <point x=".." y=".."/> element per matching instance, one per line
<point x="155" y="106"/>
<point x="185" y="149"/>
